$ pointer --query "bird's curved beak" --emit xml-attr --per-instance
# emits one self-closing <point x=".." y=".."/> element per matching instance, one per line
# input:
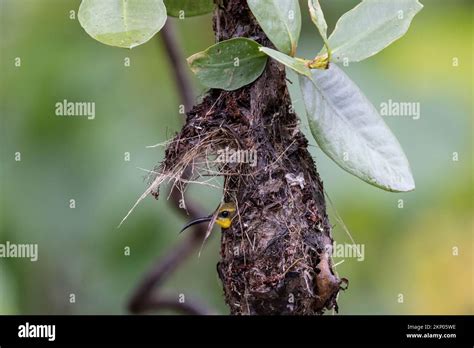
<point x="196" y="221"/>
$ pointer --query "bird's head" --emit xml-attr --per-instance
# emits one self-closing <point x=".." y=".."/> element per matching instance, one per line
<point x="224" y="215"/>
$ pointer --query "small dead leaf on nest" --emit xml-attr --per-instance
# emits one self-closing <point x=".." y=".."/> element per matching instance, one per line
<point x="344" y="284"/>
<point x="295" y="180"/>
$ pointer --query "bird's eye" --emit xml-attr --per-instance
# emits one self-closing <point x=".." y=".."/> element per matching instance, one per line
<point x="224" y="214"/>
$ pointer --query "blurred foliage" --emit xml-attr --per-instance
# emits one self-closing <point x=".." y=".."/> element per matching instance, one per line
<point x="408" y="251"/>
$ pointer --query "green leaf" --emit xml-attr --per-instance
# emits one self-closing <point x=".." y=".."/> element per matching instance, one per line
<point x="348" y="128"/>
<point x="122" y="23"/>
<point x="280" y="20"/>
<point x="188" y="8"/>
<point x="317" y="17"/>
<point x="229" y="64"/>
<point x="297" y="64"/>
<point x="370" y="27"/>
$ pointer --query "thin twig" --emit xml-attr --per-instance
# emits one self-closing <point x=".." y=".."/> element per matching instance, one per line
<point x="176" y="58"/>
<point x="144" y="298"/>
<point x="163" y="268"/>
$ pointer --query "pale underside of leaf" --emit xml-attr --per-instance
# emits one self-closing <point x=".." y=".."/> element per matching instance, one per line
<point x="280" y="20"/>
<point x="122" y="23"/>
<point x="317" y="17"/>
<point x="370" y="27"/>
<point x="348" y="128"/>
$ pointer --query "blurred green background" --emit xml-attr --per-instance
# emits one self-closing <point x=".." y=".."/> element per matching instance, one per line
<point x="408" y="251"/>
